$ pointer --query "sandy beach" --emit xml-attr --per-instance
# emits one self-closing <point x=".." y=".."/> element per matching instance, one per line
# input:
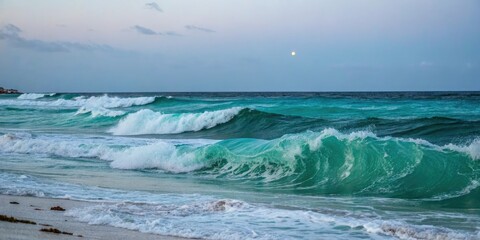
<point x="38" y="210"/>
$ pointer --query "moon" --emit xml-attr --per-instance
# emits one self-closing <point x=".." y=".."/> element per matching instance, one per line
<point x="293" y="53"/>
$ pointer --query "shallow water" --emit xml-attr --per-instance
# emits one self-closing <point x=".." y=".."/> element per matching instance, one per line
<point x="252" y="165"/>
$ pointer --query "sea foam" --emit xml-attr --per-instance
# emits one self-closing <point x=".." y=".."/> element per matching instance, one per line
<point x="282" y="156"/>
<point x="27" y="144"/>
<point x="326" y="162"/>
<point x="160" y="155"/>
<point x="99" y="111"/>
<point x="473" y="149"/>
<point x="33" y="96"/>
<point x="208" y="217"/>
<point x="95" y="105"/>
<point x="147" y="121"/>
<point x="121" y="153"/>
<point x="194" y="220"/>
<point x="114" y="102"/>
<point x="100" y="101"/>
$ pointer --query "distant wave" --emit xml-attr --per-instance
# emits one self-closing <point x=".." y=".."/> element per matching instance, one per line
<point x="99" y="111"/>
<point x="95" y="105"/>
<point x="326" y="162"/>
<point x="99" y="106"/>
<point x="147" y="121"/>
<point x="106" y="101"/>
<point x="115" y="102"/>
<point x="33" y="96"/>
<point x="252" y="123"/>
<point x="100" y="101"/>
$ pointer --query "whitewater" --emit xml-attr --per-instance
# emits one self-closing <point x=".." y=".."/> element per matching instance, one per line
<point x="252" y="165"/>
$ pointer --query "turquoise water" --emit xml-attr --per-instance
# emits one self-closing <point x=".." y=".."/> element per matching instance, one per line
<point x="252" y="165"/>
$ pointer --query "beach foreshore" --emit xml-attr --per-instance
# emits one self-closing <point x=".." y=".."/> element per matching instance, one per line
<point x="38" y="211"/>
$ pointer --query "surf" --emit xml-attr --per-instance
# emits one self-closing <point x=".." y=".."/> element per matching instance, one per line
<point x="106" y="101"/>
<point x="147" y="121"/>
<point x="312" y="163"/>
<point x="33" y="96"/>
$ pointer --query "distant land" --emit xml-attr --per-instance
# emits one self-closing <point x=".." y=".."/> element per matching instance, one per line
<point x="8" y="91"/>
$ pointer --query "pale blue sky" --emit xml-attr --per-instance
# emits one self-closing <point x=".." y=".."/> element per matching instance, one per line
<point x="218" y="45"/>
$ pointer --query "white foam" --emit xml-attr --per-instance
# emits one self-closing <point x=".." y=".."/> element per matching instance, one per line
<point x="191" y="219"/>
<point x="472" y="150"/>
<point x="474" y="184"/>
<point x="99" y="111"/>
<point x="126" y="154"/>
<point x="17" y="143"/>
<point x="160" y="155"/>
<point x="358" y="135"/>
<point x="104" y="101"/>
<point x="147" y="121"/>
<point x="116" y="102"/>
<point x="208" y="217"/>
<point x="98" y="106"/>
<point x="245" y="221"/>
<point x="33" y="96"/>
<point x="95" y="105"/>
<point x="187" y="155"/>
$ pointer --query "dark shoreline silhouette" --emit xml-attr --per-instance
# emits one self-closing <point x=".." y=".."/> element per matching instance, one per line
<point x="8" y="91"/>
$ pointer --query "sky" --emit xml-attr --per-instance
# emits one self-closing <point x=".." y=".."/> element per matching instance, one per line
<point x="239" y="45"/>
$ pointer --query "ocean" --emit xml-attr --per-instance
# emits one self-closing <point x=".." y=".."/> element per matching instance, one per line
<point x="373" y="165"/>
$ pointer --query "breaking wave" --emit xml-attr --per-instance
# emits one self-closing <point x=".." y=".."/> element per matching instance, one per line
<point x="99" y="111"/>
<point x="100" y="101"/>
<point x="253" y="123"/>
<point x="95" y="105"/>
<point x="33" y="96"/>
<point x="106" y="101"/>
<point x="147" y="121"/>
<point x="326" y="162"/>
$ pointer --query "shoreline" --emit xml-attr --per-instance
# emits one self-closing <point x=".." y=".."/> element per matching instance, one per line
<point x="34" y="214"/>
<point x="9" y="91"/>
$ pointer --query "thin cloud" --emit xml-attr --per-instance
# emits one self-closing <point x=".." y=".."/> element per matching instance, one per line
<point x="11" y="29"/>
<point x="171" y="33"/>
<point x="153" y="6"/>
<point x="196" y="28"/>
<point x="11" y="34"/>
<point x="144" y="30"/>
<point x="148" y="31"/>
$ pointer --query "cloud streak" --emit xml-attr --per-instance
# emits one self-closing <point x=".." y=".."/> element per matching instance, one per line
<point x="153" y="6"/>
<point x="201" y="29"/>
<point x="170" y="33"/>
<point x="147" y="31"/>
<point x="11" y="34"/>
<point x="144" y="30"/>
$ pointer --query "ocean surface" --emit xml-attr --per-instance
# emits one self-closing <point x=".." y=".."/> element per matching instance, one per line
<point x="252" y="165"/>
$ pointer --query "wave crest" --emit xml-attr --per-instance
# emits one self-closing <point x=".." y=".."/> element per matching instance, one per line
<point x="99" y="111"/>
<point x="114" y="102"/>
<point x="147" y="121"/>
<point x="326" y="162"/>
<point x="95" y="105"/>
<point x="33" y="96"/>
<point x="105" y="101"/>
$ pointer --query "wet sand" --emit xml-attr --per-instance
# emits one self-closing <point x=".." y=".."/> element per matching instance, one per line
<point x="38" y="210"/>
